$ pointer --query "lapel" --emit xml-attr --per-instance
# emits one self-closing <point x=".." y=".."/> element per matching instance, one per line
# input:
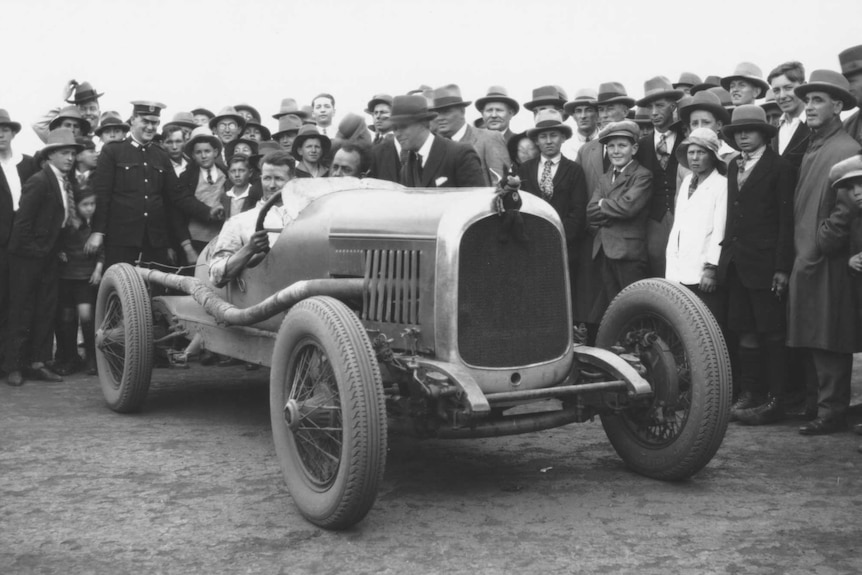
<point x="761" y="169"/>
<point x="562" y="171"/>
<point x="432" y="166"/>
<point x="799" y="141"/>
<point x="55" y="190"/>
<point x="4" y="185"/>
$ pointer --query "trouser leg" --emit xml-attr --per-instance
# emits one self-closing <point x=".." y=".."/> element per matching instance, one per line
<point x="833" y="383"/>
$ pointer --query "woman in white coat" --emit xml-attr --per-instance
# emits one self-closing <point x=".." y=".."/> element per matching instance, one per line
<point x="695" y="239"/>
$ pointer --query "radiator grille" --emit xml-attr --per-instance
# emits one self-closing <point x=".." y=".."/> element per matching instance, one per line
<point x="512" y="300"/>
<point x="393" y="286"/>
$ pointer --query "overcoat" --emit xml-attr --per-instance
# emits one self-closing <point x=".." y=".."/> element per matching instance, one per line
<point x="589" y="299"/>
<point x="491" y="148"/>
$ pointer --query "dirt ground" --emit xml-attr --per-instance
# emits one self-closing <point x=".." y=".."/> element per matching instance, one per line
<point x="191" y="485"/>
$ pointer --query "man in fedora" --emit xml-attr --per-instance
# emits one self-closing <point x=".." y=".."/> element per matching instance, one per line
<point x="745" y="84"/>
<point x="851" y="67"/>
<point x="227" y="125"/>
<point x="380" y="108"/>
<point x="202" y="116"/>
<point x="431" y="161"/>
<point x="497" y="110"/>
<point x="70" y="117"/>
<point x="183" y="120"/>
<point x="704" y="110"/>
<point x="47" y="202"/>
<point x="547" y="98"/>
<point x="584" y="112"/>
<point x="139" y="197"/>
<point x="111" y="128"/>
<point x="447" y="102"/>
<point x="84" y="98"/>
<point x="657" y="153"/>
<point x="821" y="307"/>
<point x="288" y="128"/>
<point x="687" y="81"/>
<point x="792" y="139"/>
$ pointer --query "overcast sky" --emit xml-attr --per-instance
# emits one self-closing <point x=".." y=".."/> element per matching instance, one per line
<point x="189" y="53"/>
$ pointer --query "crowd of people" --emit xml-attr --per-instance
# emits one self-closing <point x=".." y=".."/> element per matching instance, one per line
<point x="746" y="188"/>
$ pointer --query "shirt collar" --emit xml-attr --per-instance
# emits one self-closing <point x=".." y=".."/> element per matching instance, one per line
<point x="555" y="160"/>
<point x="60" y="175"/>
<point x="459" y="135"/>
<point x="800" y="117"/>
<point x="623" y="169"/>
<point x="426" y="148"/>
<point x="583" y="139"/>
<point x="755" y="155"/>
<point x="13" y="160"/>
<point x="232" y="192"/>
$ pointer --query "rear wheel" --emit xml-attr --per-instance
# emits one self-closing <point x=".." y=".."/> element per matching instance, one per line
<point x="675" y="433"/>
<point x="327" y="412"/>
<point x="124" y="338"/>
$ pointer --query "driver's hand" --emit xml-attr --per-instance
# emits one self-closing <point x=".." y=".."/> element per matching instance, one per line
<point x="259" y="241"/>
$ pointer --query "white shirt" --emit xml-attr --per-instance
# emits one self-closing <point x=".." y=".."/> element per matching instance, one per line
<point x="61" y="179"/>
<point x="179" y="168"/>
<point x="571" y="146"/>
<point x="754" y="158"/>
<point x="698" y="229"/>
<point x="237" y="199"/>
<point x="10" y="170"/>
<point x="555" y="165"/>
<point x="786" y="129"/>
<point x="426" y="149"/>
<point x="670" y="138"/>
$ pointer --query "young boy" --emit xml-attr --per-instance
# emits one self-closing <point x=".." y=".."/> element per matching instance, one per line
<point x="618" y="210"/>
<point x="239" y="198"/>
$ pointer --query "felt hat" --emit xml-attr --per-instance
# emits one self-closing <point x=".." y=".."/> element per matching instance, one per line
<point x="479" y="122"/>
<point x="182" y="120"/>
<point x="770" y="103"/>
<point x="5" y="120"/>
<point x="350" y="125"/>
<point x="423" y="89"/>
<point x="659" y="87"/>
<point x="705" y="100"/>
<point x="86" y="143"/>
<point x="265" y="133"/>
<point x="709" y="82"/>
<point x="201" y="134"/>
<point x="231" y="146"/>
<point x="512" y="145"/>
<point x="147" y="109"/>
<point x="287" y="124"/>
<point x="306" y="132"/>
<point x="263" y="149"/>
<point x="111" y="119"/>
<point x="378" y="99"/>
<point x="625" y="128"/>
<point x="832" y="83"/>
<point x="614" y="93"/>
<point x="203" y="112"/>
<point x="60" y="138"/>
<point x="307" y="110"/>
<point x="227" y="113"/>
<point x="845" y="170"/>
<point x="723" y="97"/>
<point x="289" y="106"/>
<point x="751" y="74"/>
<point x="643" y="118"/>
<point x="851" y="60"/>
<point x="410" y="109"/>
<point x="248" y="108"/>
<point x="497" y="94"/>
<point x="546" y="95"/>
<point x="703" y="137"/>
<point x="547" y="120"/>
<point x="84" y="92"/>
<point x="447" y="96"/>
<point x="70" y="112"/>
<point x="688" y="79"/>
<point x="748" y="117"/>
<point x="583" y="97"/>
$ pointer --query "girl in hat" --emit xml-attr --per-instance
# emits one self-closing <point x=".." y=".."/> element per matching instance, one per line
<point x="310" y="148"/>
<point x="80" y="275"/>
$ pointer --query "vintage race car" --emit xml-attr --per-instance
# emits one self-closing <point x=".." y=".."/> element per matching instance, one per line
<point x="416" y="311"/>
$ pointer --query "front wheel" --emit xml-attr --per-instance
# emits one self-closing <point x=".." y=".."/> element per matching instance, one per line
<point x="327" y="412"/>
<point x="675" y="433"/>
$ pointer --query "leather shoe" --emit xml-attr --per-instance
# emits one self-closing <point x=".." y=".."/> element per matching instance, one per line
<point x="821" y="426"/>
<point x="770" y="412"/>
<point x="43" y="374"/>
<point x="746" y="400"/>
<point x="15" y="379"/>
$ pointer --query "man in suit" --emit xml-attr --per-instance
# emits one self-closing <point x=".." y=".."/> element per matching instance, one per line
<point x="431" y="161"/>
<point x="619" y="210"/>
<point x="793" y="133"/>
<point x="851" y="67"/>
<point x="47" y="201"/>
<point x="497" y="110"/>
<point x="451" y="123"/>
<point x="15" y="169"/>
<point x="139" y="196"/>
<point x="380" y="108"/>
<point x="657" y="153"/>
<point x="755" y="263"/>
<point x="586" y="116"/>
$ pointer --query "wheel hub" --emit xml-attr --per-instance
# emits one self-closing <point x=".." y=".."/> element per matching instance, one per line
<point x="291" y="414"/>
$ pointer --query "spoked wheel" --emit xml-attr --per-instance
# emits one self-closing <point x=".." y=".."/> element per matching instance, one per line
<point x="675" y="433"/>
<point x="124" y="338"/>
<point x="327" y="412"/>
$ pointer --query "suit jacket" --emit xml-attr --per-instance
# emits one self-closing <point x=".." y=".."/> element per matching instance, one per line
<point x="138" y="195"/>
<point x="491" y="148"/>
<point x="796" y="147"/>
<point x="40" y="216"/>
<point x="385" y="162"/>
<point x="622" y="218"/>
<point x="26" y="168"/>
<point x="255" y="192"/>
<point x="452" y="165"/>
<point x="758" y="236"/>
<point x="569" y="199"/>
<point x="664" y="180"/>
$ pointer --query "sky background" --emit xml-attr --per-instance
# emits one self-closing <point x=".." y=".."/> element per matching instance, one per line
<point x="190" y="53"/>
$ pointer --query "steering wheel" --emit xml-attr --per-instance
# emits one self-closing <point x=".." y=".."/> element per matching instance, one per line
<point x="264" y="209"/>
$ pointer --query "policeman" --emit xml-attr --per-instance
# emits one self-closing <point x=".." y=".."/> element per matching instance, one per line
<point x="139" y="201"/>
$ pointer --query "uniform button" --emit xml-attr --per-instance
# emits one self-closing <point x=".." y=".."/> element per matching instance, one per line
<point x="736" y="203"/>
<point x="145" y="163"/>
<point x="146" y="197"/>
<point x="145" y="181"/>
<point x="145" y="214"/>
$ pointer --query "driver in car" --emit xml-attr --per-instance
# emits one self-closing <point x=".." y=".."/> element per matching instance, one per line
<point x="238" y="241"/>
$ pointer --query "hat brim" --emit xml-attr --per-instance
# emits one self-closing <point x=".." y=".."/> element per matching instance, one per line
<point x="77" y="100"/>
<point x="55" y="123"/>
<point x="701" y="87"/>
<point x="682" y="153"/>
<point x="278" y="135"/>
<point x="532" y="105"/>
<point x="674" y="95"/>
<point x="240" y="121"/>
<point x="325" y="143"/>
<point x="298" y="113"/>
<point x="680" y="85"/>
<point x="480" y="103"/>
<point x="729" y="130"/>
<point x="759" y="82"/>
<point x="461" y="104"/>
<point x="625" y="100"/>
<point x="403" y="119"/>
<point x="840" y="93"/>
<point x="190" y="145"/>
<point x="264" y="131"/>
<point x="719" y="111"/>
<point x="50" y="148"/>
<point x="617" y="134"/>
<point x="846" y="177"/>
<point x="373" y="103"/>
<point x="569" y="107"/>
<point x="533" y="133"/>
<point x="16" y="127"/>
<point x="102" y="127"/>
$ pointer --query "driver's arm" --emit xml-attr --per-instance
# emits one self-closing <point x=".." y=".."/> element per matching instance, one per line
<point x="235" y="263"/>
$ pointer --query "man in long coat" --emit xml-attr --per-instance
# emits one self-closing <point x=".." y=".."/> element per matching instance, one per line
<point x="821" y="316"/>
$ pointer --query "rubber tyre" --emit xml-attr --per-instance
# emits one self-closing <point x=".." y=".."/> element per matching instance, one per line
<point x="706" y="395"/>
<point x="338" y="356"/>
<point x="124" y="338"/>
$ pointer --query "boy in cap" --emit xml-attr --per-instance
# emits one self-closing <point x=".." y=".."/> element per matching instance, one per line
<point x="111" y="128"/>
<point x="618" y="211"/>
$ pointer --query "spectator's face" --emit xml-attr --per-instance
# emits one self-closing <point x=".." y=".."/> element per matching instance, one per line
<point x="246" y="115"/>
<point x="6" y="137"/>
<point x="91" y="112"/>
<point x="854" y="190"/>
<point x="322" y="111"/>
<point x="621" y="151"/>
<point x="204" y="154"/>
<point x="311" y="150"/>
<point x="87" y="207"/>
<point x="550" y="142"/>
<point x="743" y="92"/>
<point x="201" y="119"/>
<point x="820" y="108"/>
<point x="345" y="164"/>
<point x="239" y="174"/>
<point x="144" y="129"/>
<point x="700" y="160"/>
<point x="586" y="118"/>
<point x="450" y="120"/>
<point x="173" y="145"/>
<point x="541" y="107"/>
<point x="242" y="148"/>
<point x="661" y="113"/>
<point x="273" y="179"/>
<point x="381" y="113"/>
<point x="527" y="150"/>
<point x="856" y="86"/>
<point x="227" y="130"/>
<point x="703" y="119"/>
<point x="411" y="136"/>
<point x="286" y="141"/>
<point x="773" y="117"/>
<point x="63" y="159"/>
<point x="686" y="89"/>
<point x="71" y="124"/>
<point x="497" y="116"/>
<point x="112" y="135"/>
<point x="252" y="133"/>
<point x="613" y="112"/>
<point x="87" y="159"/>
<point x="782" y="89"/>
<point x="749" y="140"/>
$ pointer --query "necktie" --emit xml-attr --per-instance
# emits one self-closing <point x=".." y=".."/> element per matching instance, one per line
<point x="693" y="185"/>
<point x="617" y="172"/>
<point x="70" y="200"/>
<point x="742" y="160"/>
<point x="378" y="138"/>
<point x="661" y="150"/>
<point x="743" y="174"/>
<point x="546" y="184"/>
<point x="209" y="176"/>
<point x="411" y="171"/>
